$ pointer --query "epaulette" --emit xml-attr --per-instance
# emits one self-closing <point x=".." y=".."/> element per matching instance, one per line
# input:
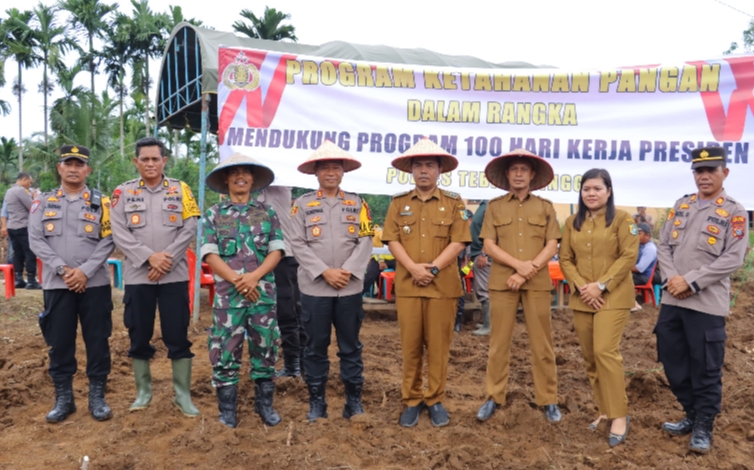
<point x="135" y="180"/>
<point x="401" y="194"/>
<point x="451" y="194"/>
<point x="310" y="193"/>
<point x="496" y="198"/>
<point x="543" y="199"/>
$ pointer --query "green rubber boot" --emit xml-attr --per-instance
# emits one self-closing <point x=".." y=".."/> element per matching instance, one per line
<point x="485" y="329"/>
<point x="182" y="386"/>
<point x="143" y="385"/>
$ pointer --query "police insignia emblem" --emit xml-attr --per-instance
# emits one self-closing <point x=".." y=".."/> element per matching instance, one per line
<point x="88" y="228"/>
<point x="677" y="222"/>
<point x="316" y="231"/>
<point x="352" y="229"/>
<point x="86" y="196"/>
<point x="463" y="215"/>
<point x="674" y="234"/>
<point x="90" y="216"/>
<point x="50" y="227"/>
<point x="172" y="190"/>
<point x="294" y="210"/>
<point x="712" y="240"/>
<point x="135" y="219"/>
<point x="722" y="212"/>
<point x="74" y="149"/>
<point x="693" y="198"/>
<point x="671" y="214"/>
<point x="50" y="213"/>
<point x="738" y="224"/>
<point x="316" y="218"/>
<point x="713" y="229"/>
<point x="52" y="199"/>
<point x="135" y="192"/>
<point x="173" y="217"/>
<point x="684" y="206"/>
<point x="351" y="218"/>
<point x="349" y="202"/>
<point x="719" y="201"/>
<point x="34" y="206"/>
<point x="241" y="74"/>
<point x="313" y="204"/>
<point x="116" y="197"/>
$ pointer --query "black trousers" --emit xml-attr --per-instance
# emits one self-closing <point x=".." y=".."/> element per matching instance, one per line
<point x="691" y="347"/>
<point x="141" y="301"/>
<point x="22" y="252"/>
<point x="639" y="279"/>
<point x="59" y="321"/>
<point x="292" y="332"/>
<point x="319" y="315"/>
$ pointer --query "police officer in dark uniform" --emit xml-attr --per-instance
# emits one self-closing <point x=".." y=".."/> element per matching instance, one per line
<point x="702" y="243"/>
<point x="69" y="230"/>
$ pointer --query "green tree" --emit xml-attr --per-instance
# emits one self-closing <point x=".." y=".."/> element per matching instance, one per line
<point x="4" y="105"/>
<point x="748" y="40"/>
<point x="117" y="52"/>
<point x="64" y="108"/>
<point x="7" y="155"/>
<point x="267" y="27"/>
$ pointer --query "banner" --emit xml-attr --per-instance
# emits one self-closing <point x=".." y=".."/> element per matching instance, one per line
<point x="639" y="123"/>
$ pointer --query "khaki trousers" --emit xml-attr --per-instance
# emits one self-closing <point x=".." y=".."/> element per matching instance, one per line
<point x="600" y="334"/>
<point x="503" y="308"/>
<point x="425" y="322"/>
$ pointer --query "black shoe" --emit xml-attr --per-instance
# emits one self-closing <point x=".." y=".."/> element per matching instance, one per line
<point x="20" y="284"/>
<point x="410" y="416"/>
<point x="682" y="427"/>
<point x="701" y="434"/>
<point x="486" y="410"/>
<point x="33" y="285"/>
<point x="265" y="390"/>
<point x="353" y="404"/>
<point x="552" y="413"/>
<point x="616" y="439"/>
<point x="459" y="321"/>
<point x="97" y="404"/>
<point x="291" y="367"/>
<point x="317" y="403"/>
<point x="438" y="415"/>
<point x="227" y="399"/>
<point x="64" y="404"/>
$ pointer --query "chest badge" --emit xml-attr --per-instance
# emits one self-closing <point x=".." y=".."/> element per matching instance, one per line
<point x="90" y="216"/>
<point x="50" y="214"/>
<point x="135" y="192"/>
<point x="349" y="202"/>
<point x="407" y="208"/>
<point x="53" y="199"/>
<point x="351" y="218"/>
<point x="674" y="234"/>
<point x="719" y="201"/>
<point x="722" y="212"/>
<point x="173" y="217"/>
<point x="684" y="206"/>
<point x="712" y="240"/>
<point x="316" y="231"/>
<point x="316" y="219"/>
<point x="442" y="209"/>
<point x="406" y="229"/>
<point x="173" y="190"/>
<point x="351" y="229"/>
<point x="135" y="219"/>
<point x="313" y="204"/>
<point x="88" y="228"/>
<point x="50" y="227"/>
<point x="671" y="214"/>
<point x="677" y="222"/>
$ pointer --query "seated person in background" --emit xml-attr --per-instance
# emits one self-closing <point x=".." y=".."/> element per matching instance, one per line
<point x="377" y="264"/>
<point x="647" y="259"/>
<point x="642" y="216"/>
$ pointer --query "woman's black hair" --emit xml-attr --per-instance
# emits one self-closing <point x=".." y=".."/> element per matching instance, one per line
<point x="595" y="173"/>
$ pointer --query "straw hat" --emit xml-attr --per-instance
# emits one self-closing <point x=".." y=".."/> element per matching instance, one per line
<point x="426" y="148"/>
<point x="327" y="152"/>
<point x="263" y="176"/>
<point x="497" y="170"/>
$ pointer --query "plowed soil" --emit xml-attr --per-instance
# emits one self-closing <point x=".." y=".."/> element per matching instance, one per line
<point x="516" y="437"/>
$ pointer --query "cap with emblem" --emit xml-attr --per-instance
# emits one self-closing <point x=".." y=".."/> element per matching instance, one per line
<point x="709" y="157"/>
<point x="329" y="152"/>
<point x="422" y="149"/>
<point x="497" y="170"/>
<point x="263" y="176"/>
<point x="74" y="151"/>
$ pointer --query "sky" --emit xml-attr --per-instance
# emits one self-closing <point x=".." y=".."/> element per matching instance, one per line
<point x="577" y="34"/>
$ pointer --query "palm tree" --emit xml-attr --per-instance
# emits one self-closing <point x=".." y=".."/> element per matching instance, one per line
<point x="117" y="53"/>
<point x="20" y="40"/>
<point x="7" y="154"/>
<point x="52" y="44"/>
<point x="266" y="27"/>
<point x="91" y="18"/>
<point x="66" y="106"/>
<point x="4" y="105"/>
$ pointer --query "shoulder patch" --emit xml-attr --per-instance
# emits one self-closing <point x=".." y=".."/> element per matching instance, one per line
<point x="401" y="194"/>
<point x="451" y="194"/>
<point x="496" y="198"/>
<point x="35" y="205"/>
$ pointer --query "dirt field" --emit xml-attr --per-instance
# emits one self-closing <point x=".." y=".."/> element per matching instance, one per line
<point x="516" y="437"/>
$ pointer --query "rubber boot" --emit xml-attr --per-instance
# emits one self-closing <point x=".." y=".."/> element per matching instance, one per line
<point x="143" y="378"/>
<point x="64" y="404"/>
<point x="291" y="367"/>
<point x="182" y="386"/>
<point x="701" y="435"/>
<point x="317" y="403"/>
<point x="227" y="401"/>
<point x="353" y="404"/>
<point x="265" y="390"/>
<point x="97" y="404"/>
<point x="485" y="329"/>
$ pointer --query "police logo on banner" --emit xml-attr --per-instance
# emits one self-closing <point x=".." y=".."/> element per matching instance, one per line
<point x="241" y="74"/>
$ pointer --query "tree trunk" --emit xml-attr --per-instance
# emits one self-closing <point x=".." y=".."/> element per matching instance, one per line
<point x="122" y="131"/>
<point x="146" y="93"/>
<point x="177" y="143"/>
<point x="20" y="122"/>
<point x="93" y="134"/>
<point x="44" y="86"/>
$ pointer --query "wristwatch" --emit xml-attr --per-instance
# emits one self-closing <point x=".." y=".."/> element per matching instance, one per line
<point x="60" y="270"/>
<point x="434" y="270"/>
<point x="601" y="286"/>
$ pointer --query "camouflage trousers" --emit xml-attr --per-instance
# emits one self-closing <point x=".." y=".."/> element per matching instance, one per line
<point x="229" y="326"/>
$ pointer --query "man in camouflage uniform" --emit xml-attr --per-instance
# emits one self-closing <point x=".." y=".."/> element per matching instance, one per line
<point x="242" y="243"/>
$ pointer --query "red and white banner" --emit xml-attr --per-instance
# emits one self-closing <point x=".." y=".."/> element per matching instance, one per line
<point x="639" y="123"/>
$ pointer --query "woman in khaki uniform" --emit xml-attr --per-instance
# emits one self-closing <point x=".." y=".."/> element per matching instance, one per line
<point x="598" y="250"/>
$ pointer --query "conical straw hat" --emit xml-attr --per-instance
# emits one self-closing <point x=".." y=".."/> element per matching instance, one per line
<point x="497" y="169"/>
<point x="263" y="176"/>
<point x="426" y="148"/>
<point x="328" y="151"/>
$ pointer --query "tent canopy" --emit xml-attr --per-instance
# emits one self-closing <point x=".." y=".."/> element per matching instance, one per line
<point x="189" y="67"/>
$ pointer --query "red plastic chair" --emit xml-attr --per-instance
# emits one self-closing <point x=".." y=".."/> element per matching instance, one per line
<point x="386" y="284"/>
<point x="39" y="270"/>
<point x="10" y="280"/>
<point x="648" y="290"/>
<point x="207" y="278"/>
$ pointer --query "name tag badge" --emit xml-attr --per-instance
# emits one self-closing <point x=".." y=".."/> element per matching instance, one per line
<point x="406" y="213"/>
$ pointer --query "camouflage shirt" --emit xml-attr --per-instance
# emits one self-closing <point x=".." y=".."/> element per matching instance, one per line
<point x="243" y="236"/>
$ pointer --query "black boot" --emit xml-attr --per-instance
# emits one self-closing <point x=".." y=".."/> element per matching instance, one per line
<point x="97" y="404"/>
<point x="227" y="398"/>
<point x="33" y="285"/>
<point x="701" y="434"/>
<point x="265" y="390"/>
<point x="64" y="405"/>
<point x="291" y="367"/>
<point x="20" y="284"/>
<point x="682" y="427"/>
<point x="317" y="403"/>
<point x="353" y="404"/>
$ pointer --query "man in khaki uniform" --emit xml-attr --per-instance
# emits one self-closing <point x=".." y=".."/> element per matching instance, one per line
<point x="702" y="243"/>
<point x="154" y="220"/>
<point x="425" y="229"/>
<point x="332" y="241"/>
<point x="520" y="233"/>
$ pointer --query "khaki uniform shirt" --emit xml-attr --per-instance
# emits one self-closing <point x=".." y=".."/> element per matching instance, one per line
<point x="521" y="229"/>
<point x="425" y="229"/>
<point x="69" y="231"/>
<point x="601" y="254"/>
<point x="147" y="220"/>
<point x="331" y="233"/>
<point x="705" y="245"/>
<point x="18" y="201"/>
<point x="279" y="197"/>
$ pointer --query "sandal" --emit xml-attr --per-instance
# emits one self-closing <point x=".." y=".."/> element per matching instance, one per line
<point x="593" y="426"/>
